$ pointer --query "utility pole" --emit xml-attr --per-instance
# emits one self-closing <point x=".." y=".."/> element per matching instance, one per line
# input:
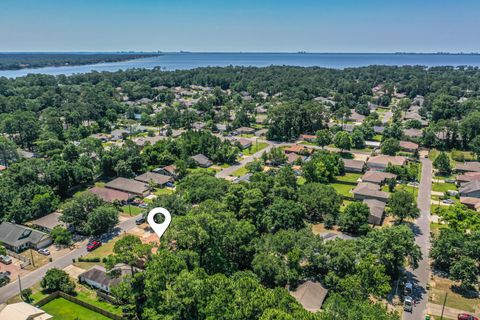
<point x="31" y="255"/>
<point x="443" y="307"/>
<point x="20" y="286"/>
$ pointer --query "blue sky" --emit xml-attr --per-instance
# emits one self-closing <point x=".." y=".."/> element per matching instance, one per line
<point x="241" y="25"/>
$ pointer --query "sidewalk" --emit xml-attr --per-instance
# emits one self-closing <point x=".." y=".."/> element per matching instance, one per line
<point x="449" y="313"/>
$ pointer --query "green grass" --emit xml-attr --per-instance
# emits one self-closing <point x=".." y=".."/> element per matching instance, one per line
<point x="454" y="300"/>
<point x="132" y="210"/>
<point x="240" y="172"/>
<point x="255" y="148"/>
<point x="343" y="188"/>
<point x="443" y="187"/>
<point x="308" y="143"/>
<point x="301" y="181"/>
<point x="349" y="177"/>
<point x="89" y="296"/>
<point x="62" y="309"/>
<point x="377" y="137"/>
<point x="163" y="191"/>
<point x="246" y="135"/>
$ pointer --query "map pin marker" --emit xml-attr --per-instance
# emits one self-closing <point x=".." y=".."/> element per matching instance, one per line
<point x="159" y="228"/>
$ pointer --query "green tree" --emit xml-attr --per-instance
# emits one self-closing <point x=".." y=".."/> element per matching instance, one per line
<point x="61" y="236"/>
<point x="77" y="210"/>
<point x="466" y="271"/>
<point x="358" y="139"/>
<point x="442" y="164"/>
<point x="475" y="146"/>
<point x="129" y="250"/>
<point x="57" y="280"/>
<point x="390" y="146"/>
<point x="26" y="295"/>
<point x="403" y="205"/>
<point x="354" y="218"/>
<point x="343" y="141"/>
<point x="321" y="202"/>
<point x="282" y="214"/>
<point x="102" y="219"/>
<point x="324" y="137"/>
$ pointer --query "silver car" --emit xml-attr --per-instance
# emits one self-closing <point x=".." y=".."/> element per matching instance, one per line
<point x="408" y="304"/>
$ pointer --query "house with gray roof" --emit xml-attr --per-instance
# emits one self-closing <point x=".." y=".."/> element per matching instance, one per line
<point x="48" y="222"/>
<point x="158" y="179"/>
<point x="366" y="190"/>
<point x="377" y="177"/>
<point x="17" y="238"/>
<point x="201" y="160"/>
<point x="473" y="166"/>
<point x="98" y="277"/>
<point x="353" y="165"/>
<point x="377" y="209"/>
<point x="470" y="189"/>
<point x="310" y="295"/>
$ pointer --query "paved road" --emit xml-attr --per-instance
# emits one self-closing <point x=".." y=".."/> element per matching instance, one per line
<point x="12" y="289"/>
<point x="227" y="171"/>
<point x="421" y="275"/>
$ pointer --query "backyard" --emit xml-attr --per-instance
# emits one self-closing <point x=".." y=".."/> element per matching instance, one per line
<point x="62" y="309"/>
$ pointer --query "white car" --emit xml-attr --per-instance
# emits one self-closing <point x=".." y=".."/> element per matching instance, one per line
<point x="45" y="252"/>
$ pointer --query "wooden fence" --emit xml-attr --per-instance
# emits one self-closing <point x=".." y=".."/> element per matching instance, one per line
<point x="25" y="261"/>
<point x="59" y="294"/>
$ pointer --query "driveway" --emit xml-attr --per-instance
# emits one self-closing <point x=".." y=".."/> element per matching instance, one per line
<point x="420" y="276"/>
<point x="12" y="289"/>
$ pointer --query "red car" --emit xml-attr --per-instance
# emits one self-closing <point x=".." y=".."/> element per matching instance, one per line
<point x="466" y="316"/>
<point x="93" y="245"/>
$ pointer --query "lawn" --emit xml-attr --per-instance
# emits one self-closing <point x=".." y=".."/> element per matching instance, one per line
<point x="343" y="188"/>
<point x="377" y="137"/>
<point x="301" y="181"/>
<point x="349" y="177"/>
<point x="239" y="172"/>
<point x="163" y="191"/>
<point x="256" y="146"/>
<point x="130" y="210"/>
<point x="443" y="187"/>
<point x="440" y="286"/>
<point x="90" y="296"/>
<point x="103" y="251"/>
<point x="62" y="309"/>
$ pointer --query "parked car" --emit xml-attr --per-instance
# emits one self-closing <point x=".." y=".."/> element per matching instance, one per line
<point x="93" y="245"/>
<point x="408" y="291"/>
<point x="448" y="201"/>
<point x="408" y="304"/>
<point x="5" y="259"/>
<point x="143" y="205"/>
<point x="170" y="184"/>
<point x="4" y="279"/>
<point x="45" y="252"/>
<point x="140" y="220"/>
<point x="466" y="316"/>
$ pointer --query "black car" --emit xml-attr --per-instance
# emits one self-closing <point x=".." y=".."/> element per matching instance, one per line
<point x="140" y="221"/>
<point x="4" y="278"/>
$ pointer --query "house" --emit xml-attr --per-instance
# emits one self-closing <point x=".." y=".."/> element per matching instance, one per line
<point x="101" y="136"/>
<point x="17" y="238"/>
<point x="472" y="203"/>
<point x="142" y="141"/>
<point x="299" y="149"/>
<point x="198" y="125"/>
<point x="468" y="176"/>
<point x="293" y="157"/>
<point x="261" y="132"/>
<point x="372" y="106"/>
<point x="473" y="166"/>
<point x="413" y="133"/>
<point x="23" y="311"/>
<point x="357" y="117"/>
<point x="244" y="143"/>
<point x="98" y="277"/>
<point x="170" y="170"/>
<point x="111" y="195"/>
<point x="48" y="222"/>
<point x="330" y="236"/>
<point x="119" y="134"/>
<point x="202" y="161"/>
<point x="129" y="186"/>
<point x="470" y="189"/>
<point x="308" y="137"/>
<point x="245" y="178"/>
<point x="381" y="162"/>
<point x="366" y="190"/>
<point x="310" y="295"/>
<point x="353" y="165"/>
<point x="377" y="209"/>
<point x="372" y="144"/>
<point x="245" y="130"/>
<point x="408" y="146"/>
<point x="158" y="179"/>
<point x="378" y="129"/>
<point x="348" y="127"/>
<point x="377" y="177"/>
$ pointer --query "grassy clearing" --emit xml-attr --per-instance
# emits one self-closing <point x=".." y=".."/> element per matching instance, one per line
<point x="349" y="177"/>
<point x="343" y="188"/>
<point x="440" y="286"/>
<point x="443" y="187"/>
<point x="131" y="211"/>
<point x="103" y="251"/>
<point x="301" y="181"/>
<point x="256" y="146"/>
<point x="89" y="296"/>
<point x="163" y="191"/>
<point x="377" y="137"/>
<point x="62" y="309"/>
<point x="239" y="172"/>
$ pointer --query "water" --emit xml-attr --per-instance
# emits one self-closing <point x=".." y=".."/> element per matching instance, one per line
<point x="182" y="61"/>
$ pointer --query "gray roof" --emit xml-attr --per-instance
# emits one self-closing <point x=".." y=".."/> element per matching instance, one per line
<point x="16" y="235"/>
<point x="201" y="159"/>
<point x="157" y="178"/>
<point x="378" y="129"/>
<point x="473" y="166"/>
<point x="99" y="275"/>
<point x="413" y="133"/>
<point x="127" y="185"/>
<point x="49" y="221"/>
<point x="354" y="164"/>
<point x="310" y="295"/>
<point x="377" y="208"/>
<point x="370" y="190"/>
<point x="469" y="187"/>
<point x="377" y="176"/>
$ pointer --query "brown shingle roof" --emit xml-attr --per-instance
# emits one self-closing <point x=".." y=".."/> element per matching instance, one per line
<point x="310" y="295"/>
<point x="157" y="178"/>
<point x="385" y="160"/>
<point x="473" y="166"/>
<point x="354" y="164"/>
<point x="377" y="176"/>
<point x="370" y="190"/>
<point x="109" y="195"/>
<point x="128" y="185"/>
<point x="408" y="145"/>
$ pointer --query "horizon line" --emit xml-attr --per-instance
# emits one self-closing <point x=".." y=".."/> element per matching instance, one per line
<point x="237" y="52"/>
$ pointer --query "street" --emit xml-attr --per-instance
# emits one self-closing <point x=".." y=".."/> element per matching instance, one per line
<point x="420" y="276"/>
<point x="12" y="289"/>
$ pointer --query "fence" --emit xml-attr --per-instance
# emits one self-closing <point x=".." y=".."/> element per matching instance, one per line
<point x="25" y="261"/>
<point x="59" y="294"/>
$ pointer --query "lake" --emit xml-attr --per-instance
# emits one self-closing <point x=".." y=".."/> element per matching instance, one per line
<point x="182" y="61"/>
